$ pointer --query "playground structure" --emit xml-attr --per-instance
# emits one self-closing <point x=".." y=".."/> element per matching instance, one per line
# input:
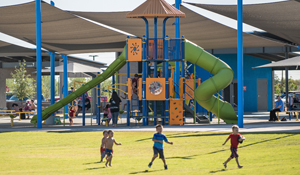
<point x="158" y="86"/>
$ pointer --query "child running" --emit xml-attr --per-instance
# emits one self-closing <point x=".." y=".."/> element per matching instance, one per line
<point x="236" y="138"/>
<point x="109" y="143"/>
<point x="102" y="147"/>
<point x="158" y="148"/>
<point x="71" y="114"/>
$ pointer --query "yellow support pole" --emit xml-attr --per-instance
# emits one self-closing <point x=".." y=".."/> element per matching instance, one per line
<point x="181" y="88"/>
<point x="129" y="88"/>
<point x="140" y="89"/>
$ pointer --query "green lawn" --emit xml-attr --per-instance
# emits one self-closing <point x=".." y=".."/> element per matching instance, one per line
<point x="192" y="153"/>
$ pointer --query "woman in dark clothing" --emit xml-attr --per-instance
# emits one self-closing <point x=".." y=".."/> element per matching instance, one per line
<point x="114" y="107"/>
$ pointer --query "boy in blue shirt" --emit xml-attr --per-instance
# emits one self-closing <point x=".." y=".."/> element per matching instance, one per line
<point x="158" y="139"/>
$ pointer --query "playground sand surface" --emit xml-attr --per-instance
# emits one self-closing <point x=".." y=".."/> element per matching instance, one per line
<point x="56" y="152"/>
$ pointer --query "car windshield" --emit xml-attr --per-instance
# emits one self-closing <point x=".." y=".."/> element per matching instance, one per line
<point x="15" y="98"/>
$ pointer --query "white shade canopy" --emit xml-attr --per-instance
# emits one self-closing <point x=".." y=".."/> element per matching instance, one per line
<point x="291" y="62"/>
<point x="75" y="68"/>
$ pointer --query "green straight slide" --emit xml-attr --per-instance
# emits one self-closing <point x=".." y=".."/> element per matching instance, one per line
<point x="223" y="76"/>
<point x="111" y="70"/>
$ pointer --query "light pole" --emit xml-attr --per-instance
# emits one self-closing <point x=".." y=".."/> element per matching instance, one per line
<point x="93" y="56"/>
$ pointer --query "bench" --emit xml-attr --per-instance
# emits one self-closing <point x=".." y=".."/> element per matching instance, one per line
<point x="277" y="112"/>
<point x="106" y="120"/>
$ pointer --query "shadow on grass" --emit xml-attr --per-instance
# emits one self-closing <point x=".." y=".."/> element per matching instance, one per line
<point x="169" y="136"/>
<point x="251" y="144"/>
<point x="185" y="157"/>
<point x="217" y="171"/>
<point x="91" y="163"/>
<point x="146" y="171"/>
<point x="96" y="168"/>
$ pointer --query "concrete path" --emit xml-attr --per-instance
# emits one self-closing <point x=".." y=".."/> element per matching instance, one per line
<point x="253" y="122"/>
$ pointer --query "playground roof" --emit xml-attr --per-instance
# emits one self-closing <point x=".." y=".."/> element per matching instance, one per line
<point x="155" y="8"/>
<point x="291" y="62"/>
<point x="196" y="28"/>
<point x="76" y="68"/>
<point x="61" y="31"/>
<point x="278" y="18"/>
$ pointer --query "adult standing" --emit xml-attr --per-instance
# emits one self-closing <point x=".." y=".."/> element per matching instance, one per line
<point x="278" y="107"/>
<point x="114" y="107"/>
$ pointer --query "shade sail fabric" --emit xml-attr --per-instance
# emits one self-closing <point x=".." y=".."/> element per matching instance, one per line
<point x="279" y="18"/>
<point x="61" y="31"/>
<point x="75" y="68"/>
<point x="196" y="28"/>
<point x="291" y="62"/>
<point x="7" y="49"/>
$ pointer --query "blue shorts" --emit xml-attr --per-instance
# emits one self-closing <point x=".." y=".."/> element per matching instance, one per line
<point x="108" y="152"/>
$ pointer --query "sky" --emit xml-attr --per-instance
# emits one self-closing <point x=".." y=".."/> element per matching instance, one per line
<point x="128" y="5"/>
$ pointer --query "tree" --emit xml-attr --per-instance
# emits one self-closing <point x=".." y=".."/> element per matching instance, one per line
<point x="23" y="86"/>
<point x="279" y="85"/>
<point x="46" y="86"/>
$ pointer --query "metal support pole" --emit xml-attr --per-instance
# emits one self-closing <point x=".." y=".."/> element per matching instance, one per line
<point x="83" y="108"/>
<point x="155" y="64"/>
<point x="52" y="78"/>
<point x="240" y="64"/>
<point x="52" y="74"/>
<point x="146" y="68"/>
<point x="177" y="36"/>
<point x="183" y="75"/>
<point x="98" y="102"/>
<point x="39" y="63"/>
<point x="113" y="82"/>
<point x="167" y="80"/>
<point x="144" y="81"/>
<point x="65" y="60"/>
<point x="287" y="82"/>
<point x="128" y="74"/>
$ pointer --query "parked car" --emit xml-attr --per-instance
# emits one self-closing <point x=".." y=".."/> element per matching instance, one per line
<point x="14" y="99"/>
<point x="8" y="95"/>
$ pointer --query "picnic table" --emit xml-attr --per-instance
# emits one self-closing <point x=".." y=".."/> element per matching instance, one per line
<point x="8" y="112"/>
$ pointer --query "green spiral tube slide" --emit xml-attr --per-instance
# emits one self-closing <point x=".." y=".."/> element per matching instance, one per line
<point x="111" y="69"/>
<point x="223" y="76"/>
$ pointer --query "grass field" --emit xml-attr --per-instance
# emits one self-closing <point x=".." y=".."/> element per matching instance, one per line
<point x="192" y="153"/>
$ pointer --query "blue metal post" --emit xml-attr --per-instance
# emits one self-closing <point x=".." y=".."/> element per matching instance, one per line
<point x="144" y="82"/>
<point x="167" y="81"/>
<point x="183" y="74"/>
<point x="52" y="73"/>
<point x="98" y="102"/>
<point x="83" y="108"/>
<point x="128" y="74"/>
<point x="240" y="63"/>
<point x="155" y="64"/>
<point x="52" y="78"/>
<point x="65" y="61"/>
<point x="146" y="66"/>
<point x="113" y="82"/>
<point x="177" y="36"/>
<point x="39" y="63"/>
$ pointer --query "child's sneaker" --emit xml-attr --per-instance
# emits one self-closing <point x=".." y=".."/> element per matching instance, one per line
<point x="150" y="164"/>
<point x="166" y="167"/>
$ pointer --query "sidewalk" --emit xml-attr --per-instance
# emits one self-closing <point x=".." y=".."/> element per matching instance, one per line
<point x="253" y="122"/>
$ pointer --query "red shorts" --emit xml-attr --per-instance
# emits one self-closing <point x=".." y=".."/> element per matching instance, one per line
<point x="102" y="150"/>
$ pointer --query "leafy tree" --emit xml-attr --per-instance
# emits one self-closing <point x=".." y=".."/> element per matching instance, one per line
<point x="9" y="83"/>
<point x="23" y="86"/>
<point x="46" y="86"/>
<point x="279" y="85"/>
